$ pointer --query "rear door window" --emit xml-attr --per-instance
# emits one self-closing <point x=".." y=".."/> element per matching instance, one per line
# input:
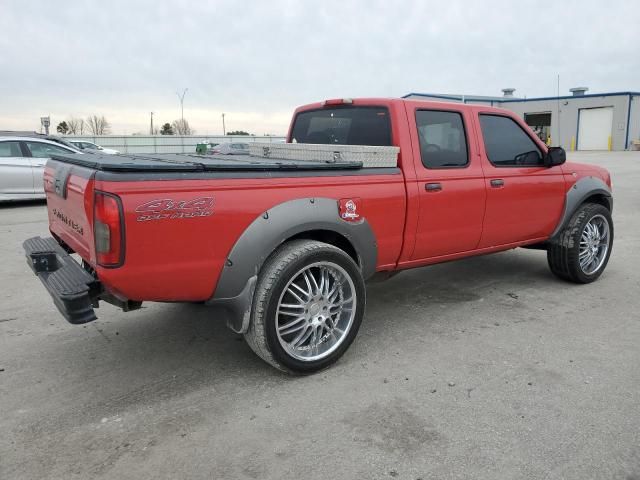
<point x="10" y="149"/>
<point x="45" y="150"/>
<point x="443" y="143"/>
<point x="507" y="144"/>
<point x="343" y="126"/>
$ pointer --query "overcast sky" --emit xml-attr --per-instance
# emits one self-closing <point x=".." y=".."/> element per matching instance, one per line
<point x="256" y="61"/>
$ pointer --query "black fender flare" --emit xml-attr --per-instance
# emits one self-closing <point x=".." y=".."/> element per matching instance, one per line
<point x="262" y="237"/>
<point x="580" y="191"/>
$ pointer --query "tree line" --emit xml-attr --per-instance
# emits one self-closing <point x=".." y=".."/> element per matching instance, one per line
<point x="98" y="125"/>
<point x="177" y="127"/>
<point x="93" y="124"/>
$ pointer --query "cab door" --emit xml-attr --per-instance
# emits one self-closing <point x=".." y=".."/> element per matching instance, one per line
<point x="16" y="176"/>
<point x="525" y="199"/>
<point x="450" y="182"/>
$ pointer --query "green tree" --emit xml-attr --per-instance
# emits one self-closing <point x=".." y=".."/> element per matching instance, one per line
<point x="166" y="129"/>
<point x="238" y="132"/>
<point x="62" y="128"/>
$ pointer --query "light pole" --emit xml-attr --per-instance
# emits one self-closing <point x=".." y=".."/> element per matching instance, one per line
<point x="181" y="97"/>
<point x="224" y="130"/>
<point x="151" y="129"/>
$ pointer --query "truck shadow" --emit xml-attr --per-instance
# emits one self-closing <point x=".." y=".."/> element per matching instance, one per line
<point x="497" y="278"/>
<point x="13" y="204"/>
<point x="466" y="280"/>
<point x="167" y="351"/>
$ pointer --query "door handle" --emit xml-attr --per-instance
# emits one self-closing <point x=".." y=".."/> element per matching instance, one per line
<point x="433" y="187"/>
<point x="497" y="183"/>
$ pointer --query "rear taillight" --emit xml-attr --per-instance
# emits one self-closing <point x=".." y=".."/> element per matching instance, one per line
<point x="108" y="228"/>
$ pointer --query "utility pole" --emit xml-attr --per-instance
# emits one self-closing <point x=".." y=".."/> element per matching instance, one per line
<point x="224" y="130"/>
<point x="151" y="129"/>
<point x="181" y="97"/>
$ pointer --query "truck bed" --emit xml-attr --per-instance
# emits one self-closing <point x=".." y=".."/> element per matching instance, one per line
<point x="179" y="216"/>
<point x="170" y="162"/>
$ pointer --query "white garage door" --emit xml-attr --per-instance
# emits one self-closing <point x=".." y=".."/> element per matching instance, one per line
<point x="595" y="128"/>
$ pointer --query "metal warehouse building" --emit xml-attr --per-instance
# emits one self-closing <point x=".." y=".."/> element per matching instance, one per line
<point x="581" y="121"/>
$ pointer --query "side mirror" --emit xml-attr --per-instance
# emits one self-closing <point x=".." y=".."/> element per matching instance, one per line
<point x="555" y="156"/>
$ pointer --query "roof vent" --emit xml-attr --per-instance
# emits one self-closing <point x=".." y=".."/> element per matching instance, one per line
<point x="508" y="92"/>
<point x="578" y="91"/>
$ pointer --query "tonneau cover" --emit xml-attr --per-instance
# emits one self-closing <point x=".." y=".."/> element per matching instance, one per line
<point x="168" y="162"/>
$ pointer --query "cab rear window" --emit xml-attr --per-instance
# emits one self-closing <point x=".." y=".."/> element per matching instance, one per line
<point x="343" y="126"/>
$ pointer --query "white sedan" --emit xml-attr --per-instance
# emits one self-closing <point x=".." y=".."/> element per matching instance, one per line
<point x="22" y="161"/>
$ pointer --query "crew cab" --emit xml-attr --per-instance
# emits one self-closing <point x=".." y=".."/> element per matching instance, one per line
<point x="286" y="245"/>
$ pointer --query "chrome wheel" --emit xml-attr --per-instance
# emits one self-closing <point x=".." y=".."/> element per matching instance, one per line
<point x="594" y="244"/>
<point x="316" y="311"/>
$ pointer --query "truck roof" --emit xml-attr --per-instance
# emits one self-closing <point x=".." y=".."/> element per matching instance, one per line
<point x="385" y="101"/>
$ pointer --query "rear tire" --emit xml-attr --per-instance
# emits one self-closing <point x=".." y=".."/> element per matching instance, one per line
<point x="307" y="307"/>
<point x="583" y="247"/>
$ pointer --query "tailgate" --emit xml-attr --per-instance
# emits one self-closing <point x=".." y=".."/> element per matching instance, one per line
<point x="69" y="190"/>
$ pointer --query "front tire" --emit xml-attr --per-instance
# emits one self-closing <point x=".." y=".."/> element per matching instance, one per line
<point x="308" y="306"/>
<point x="583" y="247"/>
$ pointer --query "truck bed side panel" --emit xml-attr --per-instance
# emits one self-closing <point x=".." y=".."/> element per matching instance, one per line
<point x="174" y="254"/>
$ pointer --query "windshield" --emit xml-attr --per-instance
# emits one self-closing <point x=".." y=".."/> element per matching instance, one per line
<point x="343" y="126"/>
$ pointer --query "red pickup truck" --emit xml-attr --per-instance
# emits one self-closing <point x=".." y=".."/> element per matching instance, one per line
<point x="285" y="246"/>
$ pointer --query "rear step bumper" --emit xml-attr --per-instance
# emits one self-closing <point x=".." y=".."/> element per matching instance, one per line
<point x="74" y="290"/>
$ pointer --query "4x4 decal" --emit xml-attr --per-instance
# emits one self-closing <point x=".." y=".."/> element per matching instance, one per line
<point x="167" y="208"/>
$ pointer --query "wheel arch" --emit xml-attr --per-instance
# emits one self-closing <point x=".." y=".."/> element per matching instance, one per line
<point x="601" y="199"/>
<point x="585" y="190"/>
<point x="307" y="218"/>
<point x="332" y="238"/>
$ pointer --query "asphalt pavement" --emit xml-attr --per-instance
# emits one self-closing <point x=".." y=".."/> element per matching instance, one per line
<point x="486" y="368"/>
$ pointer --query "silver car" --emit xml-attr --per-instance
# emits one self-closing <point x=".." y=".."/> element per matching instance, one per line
<point x="84" y="145"/>
<point x="22" y="161"/>
<point x="231" y="149"/>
